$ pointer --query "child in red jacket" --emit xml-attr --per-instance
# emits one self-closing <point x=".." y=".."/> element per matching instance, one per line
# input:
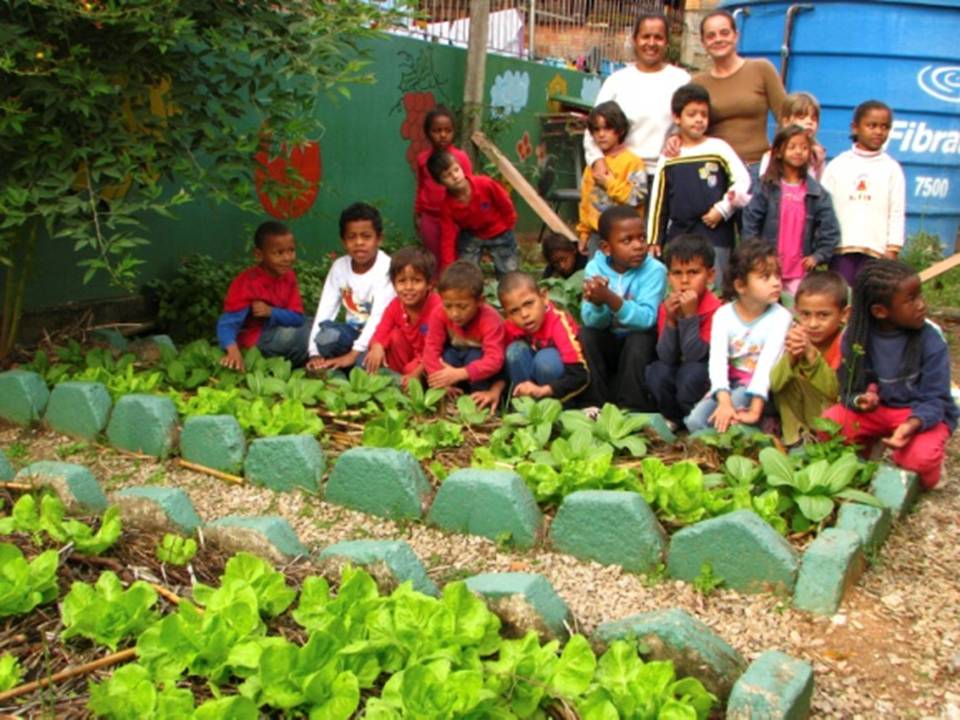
<point x="464" y="346"/>
<point x="399" y="338"/>
<point x="477" y="216"/>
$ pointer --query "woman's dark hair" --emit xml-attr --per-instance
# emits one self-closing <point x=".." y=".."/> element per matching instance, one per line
<point x="361" y="211"/>
<point x="865" y="107"/>
<point x="554" y="243"/>
<point x="718" y="13"/>
<point x="438" y="162"/>
<point x="416" y="257"/>
<point x="612" y="115"/>
<point x="686" y="94"/>
<point x="774" y="172"/>
<point x="876" y="284"/>
<point x="749" y="256"/>
<point x="659" y="17"/>
<point x="270" y="228"/>
<point x="438" y="111"/>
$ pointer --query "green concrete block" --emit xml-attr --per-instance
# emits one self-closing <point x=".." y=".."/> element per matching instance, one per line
<point x="611" y="527"/>
<point x="774" y="687"/>
<point x="216" y="441"/>
<point x="390" y="562"/>
<point x="164" y="340"/>
<point x="73" y="484"/>
<point x="493" y="503"/>
<point x="897" y="489"/>
<point x="286" y="462"/>
<point x="111" y="337"/>
<point x="145" y="424"/>
<point x="695" y="650"/>
<point x="158" y="508"/>
<point x="269" y="536"/>
<point x="658" y="424"/>
<point x="740" y="547"/>
<point x="6" y="469"/>
<point x="872" y="525"/>
<point x="830" y="565"/>
<point x="23" y="396"/>
<point x="79" y="408"/>
<point x="524" y="602"/>
<point x="380" y="481"/>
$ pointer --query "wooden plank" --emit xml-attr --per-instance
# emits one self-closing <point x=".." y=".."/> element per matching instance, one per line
<point x="522" y="186"/>
<point x="940" y="268"/>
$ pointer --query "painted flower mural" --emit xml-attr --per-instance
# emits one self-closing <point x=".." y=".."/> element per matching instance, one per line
<point x="510" y="93"/>
<point x="524" y="147"/>
<point x="590" y="88"/>
<point x="416" y="105"/>
<point x="287" y="183"/>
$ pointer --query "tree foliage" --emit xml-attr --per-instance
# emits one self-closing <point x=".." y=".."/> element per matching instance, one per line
<point x="112" y="109"/>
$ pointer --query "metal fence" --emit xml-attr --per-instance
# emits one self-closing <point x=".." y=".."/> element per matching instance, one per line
<point x="583" y="33"/>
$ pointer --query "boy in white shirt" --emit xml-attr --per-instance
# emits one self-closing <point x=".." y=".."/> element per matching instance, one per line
<point x="360" y="283"/>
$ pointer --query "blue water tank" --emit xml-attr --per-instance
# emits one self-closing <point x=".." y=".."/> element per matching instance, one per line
<point x="905" y="53"/>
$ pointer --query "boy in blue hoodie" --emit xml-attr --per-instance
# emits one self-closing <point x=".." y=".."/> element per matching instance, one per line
<point x="622" y="292"/>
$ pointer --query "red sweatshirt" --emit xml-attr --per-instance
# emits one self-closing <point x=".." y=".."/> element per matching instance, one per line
<point x="395" y="324"/>
<point x="430" y="193"/>
<point x="256" y="283"/>
<point x="485" y="331"/>
<point x="489" y="213"/>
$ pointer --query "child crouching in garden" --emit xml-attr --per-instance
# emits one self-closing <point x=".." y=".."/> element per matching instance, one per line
<point x="895" y="375"/>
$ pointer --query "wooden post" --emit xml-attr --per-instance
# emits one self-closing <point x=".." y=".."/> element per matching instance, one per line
<point x="476" y="71"/>
<point x="940" y="268"/>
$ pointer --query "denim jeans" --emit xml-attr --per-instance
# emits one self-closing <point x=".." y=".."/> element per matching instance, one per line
<point x="699" y="417"/>
<point x="677" y="388"/>
<point x="335" y="338"/>
<point x="286" y="341"/>
<point x="502" y="248"/>
<point x="461" y="357"/>
<point x="540" y="366"/>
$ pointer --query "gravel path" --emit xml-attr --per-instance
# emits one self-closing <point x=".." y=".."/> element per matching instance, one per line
<point x="892" y="651"/>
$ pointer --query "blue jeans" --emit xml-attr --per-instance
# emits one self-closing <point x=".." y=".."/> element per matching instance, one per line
<point x="461" y="357"/>
<point x="286" y="341"/>
<point x="502" y="248"/>
<point x="541" y="366"/>
<point x="699" y="417"/>
<point x="677" y="388"/>
<point x="335" y="338"/>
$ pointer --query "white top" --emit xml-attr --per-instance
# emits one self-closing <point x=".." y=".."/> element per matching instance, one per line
<point x="363" y="297"/>
<point x="644" y="98"/>
<point x="745" y="353"/>
<point x="869" y="196"/>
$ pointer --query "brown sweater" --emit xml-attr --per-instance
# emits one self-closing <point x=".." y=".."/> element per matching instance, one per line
<point x="739" y="104"/>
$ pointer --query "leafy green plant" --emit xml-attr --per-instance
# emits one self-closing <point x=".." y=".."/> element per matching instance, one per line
<point x="358" y="390"/>
<point x="422" y="403"/>
<point x="10" y="672"/>
<point x="813" y="489"/>
<point x="706" y="582"/>
<point x="286" y="417"/>
<point x="393" y="429"/>
<point x="468" y="413"/>
<point x="25" y="585"/>
<point x="246" y="570"/>
<point x="566" y="292"/>
<point x="612" y="426"/>
<point x="738" y="440"/>
<point x="130" y="694"/>
<point x="48" y="518"/>
<point x="176" y="549"/>
<point x="105" y="612"/>
<point x="677" y="492"/>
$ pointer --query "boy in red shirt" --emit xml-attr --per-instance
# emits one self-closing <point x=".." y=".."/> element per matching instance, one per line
<point x="678" y="378"/>
<point x="464" y="345"/>
<point x="399" y="338"/>
<point x="263" y="306"/>
<point x="544" y="357"/>
<point x="477" y="216"/>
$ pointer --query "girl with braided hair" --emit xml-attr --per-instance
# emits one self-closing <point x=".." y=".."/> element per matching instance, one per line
<point x="895" y="375"/>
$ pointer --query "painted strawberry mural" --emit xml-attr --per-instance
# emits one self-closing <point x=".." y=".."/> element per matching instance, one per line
<point x="287" y="183"/>
<point x="416" y="105"/>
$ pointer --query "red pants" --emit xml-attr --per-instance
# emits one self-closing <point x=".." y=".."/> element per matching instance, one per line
<point x="922" y="455"/>
<point x="400" y="356"/>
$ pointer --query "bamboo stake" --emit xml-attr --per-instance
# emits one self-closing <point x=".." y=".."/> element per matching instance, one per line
<point x="26" y="487"/>
<point x="112" y="659"/>
<point x="168" y="595"/>
<point x="235" y="479"/>
<point x="940" y="268"/>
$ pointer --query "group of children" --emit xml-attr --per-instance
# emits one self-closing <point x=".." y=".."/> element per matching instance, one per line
<point x="654" y="336"/>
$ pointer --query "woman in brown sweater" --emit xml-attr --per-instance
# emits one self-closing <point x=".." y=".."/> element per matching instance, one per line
<point x="741" y="90"/>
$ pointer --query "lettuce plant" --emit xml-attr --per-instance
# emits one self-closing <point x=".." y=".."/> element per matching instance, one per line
<point x="25" y="585"/>
<point x="10" y="672"/>
<point x="106" y="613"/>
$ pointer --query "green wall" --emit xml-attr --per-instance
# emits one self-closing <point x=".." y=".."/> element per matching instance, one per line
<point x="363" y="158"/>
